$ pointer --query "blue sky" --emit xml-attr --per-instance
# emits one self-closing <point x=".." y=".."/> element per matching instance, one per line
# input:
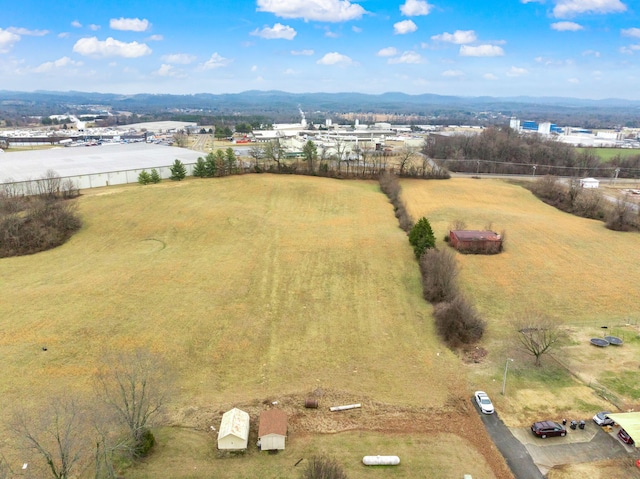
<point x="574" y="48"/>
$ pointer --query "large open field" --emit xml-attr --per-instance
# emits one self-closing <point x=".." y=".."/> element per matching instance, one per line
<point x="263" y="288"/>
<point x="571" y="269"/>
<point x="253" y="288"/>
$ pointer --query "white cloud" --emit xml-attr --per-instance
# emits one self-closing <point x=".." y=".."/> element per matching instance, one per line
<point x="318" y="10"/>
<point x="595" y="53"/>
<point x="630" y="49"/>
<point x="76" y="24"/>
<point x="403" y="27"/>
<point x="278" y="31"/>
<point x="60" y="63"/>
<point x="387" y="52"/>
<point x="168" y="71"/>
<point x="452" y="73"/>
<point x="216" y="61"/>
<point x="489" y="76"/>
<point x="302" y="52"/>
<point x="24" y="31"/>
<point x="356" y="29"/>
<point x="179" y="58"/>
<point x="570" y="8"/>
<point x="575" y="81"/>
<point x="129" y="24"/>
<point x="254" y="68"/>
<point x="481" y="51"/>
<point x="413" y="8"/>
<point x="7" y="39"/>
<point x="91" y="46"/>
<point x="330" y="34"/>
<point x="63" y="35"/>
<point x="566" y="26"/>
<point x="406" y="57"/>
<point x="459" y="37"/>
<point x="631" y="32"/>
<point x="532" y="1"/>
<point x="289" y="71"/>
<point x="155" y="38"/>
<point x="335" y="58"/>
<point x="94" y="27"/>
<point x="516" y="72"/>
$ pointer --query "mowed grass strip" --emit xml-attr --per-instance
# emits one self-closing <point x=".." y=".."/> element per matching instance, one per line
<point x="574" y="269"/>
<point x="442" y="456"/>
<point x="250" y="286"/>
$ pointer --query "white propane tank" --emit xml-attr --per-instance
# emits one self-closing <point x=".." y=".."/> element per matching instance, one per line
<point x="381" y="460"/>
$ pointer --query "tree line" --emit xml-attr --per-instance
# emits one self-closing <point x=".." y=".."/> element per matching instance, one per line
<point x="505" y="151"/>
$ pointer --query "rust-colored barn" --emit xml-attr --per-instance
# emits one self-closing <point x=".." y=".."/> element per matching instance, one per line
<point x="272" y="430"/>
<point x="476" y="241"/>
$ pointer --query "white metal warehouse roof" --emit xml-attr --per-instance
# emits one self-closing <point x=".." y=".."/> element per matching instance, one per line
<point x="84" y="160"/>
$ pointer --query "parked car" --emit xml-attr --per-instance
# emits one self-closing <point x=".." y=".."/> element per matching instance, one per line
<point x="624" y="437"/>
<point x="601" y="419"/>
<point x="546" y="429"/>
<point x="484" y="403"/>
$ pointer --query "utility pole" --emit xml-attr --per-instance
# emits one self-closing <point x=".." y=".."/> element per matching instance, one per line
<point x="504" y="380"/>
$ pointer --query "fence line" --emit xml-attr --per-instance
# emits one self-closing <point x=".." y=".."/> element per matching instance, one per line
<point x="93" y="180"/>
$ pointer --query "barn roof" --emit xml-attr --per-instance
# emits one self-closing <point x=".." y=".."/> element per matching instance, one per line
<point x="235" y="422"/>
<point x="273" y="421"/>
<point x="470" y="235"/>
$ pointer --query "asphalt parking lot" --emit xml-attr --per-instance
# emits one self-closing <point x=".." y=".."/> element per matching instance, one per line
<point x="580" y="445"/>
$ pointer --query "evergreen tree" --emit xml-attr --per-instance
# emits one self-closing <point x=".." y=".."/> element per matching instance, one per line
<point x="310" y="152"/>
<point x="200" y="169"/>
<point x="211" y="166"/>
<point x="421" y="237"/>
<point x="155" y="176"/>
<point x="178" y="171"/>
<point x="221" y="163"/>
<point x="144" y="178"/>
<point x="231" y="160"/>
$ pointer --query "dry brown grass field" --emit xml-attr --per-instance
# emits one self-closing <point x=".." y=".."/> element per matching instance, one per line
<point x="574" y="270"/>
<point x="254" y="288"/>
<point x="264" y="288"/>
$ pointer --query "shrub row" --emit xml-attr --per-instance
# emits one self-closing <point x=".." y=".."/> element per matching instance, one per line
<point x="390" y="186"/>
<point x="587" y="203"/>
<point x="457" y="321"/>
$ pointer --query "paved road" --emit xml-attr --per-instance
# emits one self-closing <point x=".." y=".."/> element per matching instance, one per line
<point x="518" y="458"/>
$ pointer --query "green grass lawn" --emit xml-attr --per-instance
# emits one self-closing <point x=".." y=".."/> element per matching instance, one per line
<point x="606" y="154"/>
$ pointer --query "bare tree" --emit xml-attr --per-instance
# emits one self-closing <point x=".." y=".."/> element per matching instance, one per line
<point x="406" y="154"/>
<point x="181" y="139"/>
<point x="538" y="334"/>
<point x="134" y="385"/>
<point x="322" y="467"/>
<point x="58" y="437"/>
<point x="256" y="151"/>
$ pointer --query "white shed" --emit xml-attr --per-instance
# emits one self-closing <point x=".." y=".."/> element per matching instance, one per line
<point x="272" y="430"/>
<point x="589" y="183"/>
<point x="233" y="434"/>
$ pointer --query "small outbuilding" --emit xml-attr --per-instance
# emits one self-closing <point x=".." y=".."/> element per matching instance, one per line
<point x="476" y="241"/>
<point x="233" y="434"/>
<point x="272" y="431"/>
<point x="589" y="183"/>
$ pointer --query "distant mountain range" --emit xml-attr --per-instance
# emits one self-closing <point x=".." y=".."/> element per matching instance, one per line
<point x="278" y="103"/>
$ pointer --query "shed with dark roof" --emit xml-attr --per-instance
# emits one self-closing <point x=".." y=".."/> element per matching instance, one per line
<point x="476" y="241"/>
<point x="272" y="430"/>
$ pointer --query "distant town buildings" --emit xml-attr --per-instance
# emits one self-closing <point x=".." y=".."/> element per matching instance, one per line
<point x="578" y="136"/>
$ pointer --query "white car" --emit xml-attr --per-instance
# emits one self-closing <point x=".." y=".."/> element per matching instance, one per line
<point x="601" y="419"/>
<point x="484" y="403"/>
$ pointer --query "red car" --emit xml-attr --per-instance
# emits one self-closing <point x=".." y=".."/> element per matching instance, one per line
<point x="624" y="437"/>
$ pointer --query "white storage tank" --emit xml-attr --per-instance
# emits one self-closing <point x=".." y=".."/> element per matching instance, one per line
<point x="381" y="460"/>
